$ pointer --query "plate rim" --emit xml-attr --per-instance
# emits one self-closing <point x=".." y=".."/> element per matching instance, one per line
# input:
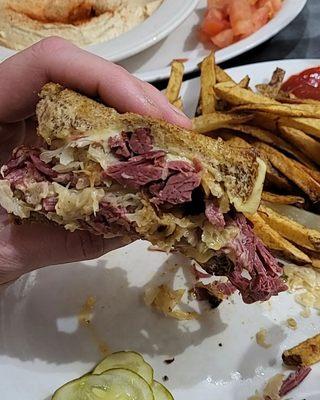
<point x="236" y="49"/>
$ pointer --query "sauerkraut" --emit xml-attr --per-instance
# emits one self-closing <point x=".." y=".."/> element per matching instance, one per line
<point x="11" y="204"/>
<point x="166" y="300"/>
<point x="305" y="282"/>
<point x="216" y="239"/>
<point x="73" y="204"/>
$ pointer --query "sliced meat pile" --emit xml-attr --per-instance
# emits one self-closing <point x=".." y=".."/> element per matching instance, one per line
<point x="109" y="219"/>
<point x="143" y="167"/>
<point x="250" y="267"/>
<point x="25" y="167"/>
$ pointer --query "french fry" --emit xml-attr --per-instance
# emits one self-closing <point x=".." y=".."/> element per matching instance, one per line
<point x="265" y="121"/>
<point x="214" y="121"/>
<point x="291" y="230"/>
<point x="178" y="103"/>
<point x="301" y="158"/>
<point x="238" y="142"/>
<point x="282" y="199"/>
<point x="281" y="109"/>
<point x="272" y="139"/>
<point x="273" y="87"/>
<point x="308" y="145"/>
<point x="208" y="80"/>
<point x="292" y="171"/>
<point x="305" y="353"/>
<point x="274" y="178"/>
<point x="244" y="83"/>
<point x="222" y="76"/>
<point x="315" y="263"/>
<point x="276" y="242"/>
<point x="310" y="126"/>
<point x="290" y="98"/>
<point x="314" y="257"/>
<point x="238" y="96"/>
<point x="175" y="81"/>
<point x="313" y="173"/>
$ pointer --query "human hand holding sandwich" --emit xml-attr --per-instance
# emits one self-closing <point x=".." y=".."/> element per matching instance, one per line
<point x="27" y="247"/>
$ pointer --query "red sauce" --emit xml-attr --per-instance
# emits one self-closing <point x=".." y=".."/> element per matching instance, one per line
<point x="306" y="85"/>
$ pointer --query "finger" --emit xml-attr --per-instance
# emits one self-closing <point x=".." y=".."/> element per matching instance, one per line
<point x="26" y="247"/>
<point x="12" y="135"/>
<point x="57" y="60"/>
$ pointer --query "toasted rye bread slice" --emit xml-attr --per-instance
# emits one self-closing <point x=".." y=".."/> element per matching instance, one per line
<point x="64" y="114"/>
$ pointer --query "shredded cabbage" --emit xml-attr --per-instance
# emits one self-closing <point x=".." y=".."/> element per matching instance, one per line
<point x="164" y="230"/>
<point x="165" y="300"/>
<point x="64" y="154"/>
<point x="211" y="185"/>
<point x="98" y="154"/>
<point x="272" y="389"/>
<point x="35" y="192"/>
<point x="75" y="203"/>
<point x="215" y="239"/>
<point x="306" y="281"/>
<point x="73" y="166"/>
<point x="261" y="337"/>
<point x="11" y="204"/>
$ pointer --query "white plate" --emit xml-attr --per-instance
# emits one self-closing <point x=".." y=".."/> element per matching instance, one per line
<point x="153" y="64"/>
<point x="42" y="346"/>
<point x="165" y="20"/>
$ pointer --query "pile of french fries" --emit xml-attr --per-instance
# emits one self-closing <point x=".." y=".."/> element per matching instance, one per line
<point x="284" y="130"/>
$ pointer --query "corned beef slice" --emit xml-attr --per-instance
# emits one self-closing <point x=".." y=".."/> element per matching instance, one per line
<point x="138" y="171"/>
<point x="42" y="166"/>
<point x="178" y="188"/>
<point x="214" y="215"/>
<point x="294" y="379"/>
<point x="249" y="254"/>
<point x="128" y="144"/>
<point x="141" y="141"/>
<point x="119" y="145"/>
<point x="49" y="204"/>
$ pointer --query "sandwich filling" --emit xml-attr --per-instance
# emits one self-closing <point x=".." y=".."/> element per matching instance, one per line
<point x="122" y="184"/>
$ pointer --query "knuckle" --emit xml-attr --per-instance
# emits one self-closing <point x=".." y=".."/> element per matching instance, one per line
<point x="50" y="45"/>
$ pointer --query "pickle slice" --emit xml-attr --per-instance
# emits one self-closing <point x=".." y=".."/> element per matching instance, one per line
<point x="120" y="384"/>
<point x="128" y="360"/>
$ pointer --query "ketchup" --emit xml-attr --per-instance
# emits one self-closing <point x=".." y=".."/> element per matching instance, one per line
<point x="306" y="85"/>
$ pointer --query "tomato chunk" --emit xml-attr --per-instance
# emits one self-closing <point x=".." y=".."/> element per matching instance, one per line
<point x="214" y="23"/>
<point x="223" y="39"/>
<point x="241" y="17"/>
<point x="260" y="17"/>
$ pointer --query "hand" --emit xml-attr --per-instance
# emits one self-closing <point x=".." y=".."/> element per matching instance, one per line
<point x="30" y="246"/>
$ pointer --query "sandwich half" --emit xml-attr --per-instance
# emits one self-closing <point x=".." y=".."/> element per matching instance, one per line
<point x="129" y="175"/>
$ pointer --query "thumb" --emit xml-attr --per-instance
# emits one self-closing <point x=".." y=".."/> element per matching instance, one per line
<point x="27" y="247"/>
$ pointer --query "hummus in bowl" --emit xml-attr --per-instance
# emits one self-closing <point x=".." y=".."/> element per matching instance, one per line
<point x="84" y="22"/>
